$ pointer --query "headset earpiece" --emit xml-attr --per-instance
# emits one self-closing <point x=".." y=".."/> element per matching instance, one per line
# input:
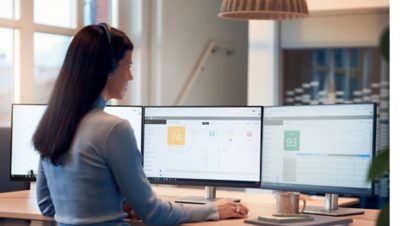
<point x="107" y="30"/>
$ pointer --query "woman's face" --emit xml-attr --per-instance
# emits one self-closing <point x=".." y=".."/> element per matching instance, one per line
<point x="117" y="82"/>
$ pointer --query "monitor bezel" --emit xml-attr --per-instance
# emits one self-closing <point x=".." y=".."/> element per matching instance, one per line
<point x="14" y="177"/>
<point x="205" y="182"/>
<point x="318" y="189"/>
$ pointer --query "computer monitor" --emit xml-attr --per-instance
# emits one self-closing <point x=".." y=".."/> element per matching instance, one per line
<point x="5" y="184"/>
<point x="319" y="149"/>
<point x="133" y="114"/>
<point x="203" y="146"/>
<point x="24" y="157"/>
<point x="25" y="119"/>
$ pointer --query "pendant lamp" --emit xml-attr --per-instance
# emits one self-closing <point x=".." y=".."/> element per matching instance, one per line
<point x="263" y="9"/>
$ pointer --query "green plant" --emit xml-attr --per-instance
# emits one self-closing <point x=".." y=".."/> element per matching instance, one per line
<point x="380" y="164"/>
<point x="385" y="45"/>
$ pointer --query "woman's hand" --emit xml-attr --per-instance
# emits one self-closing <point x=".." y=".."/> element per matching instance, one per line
<point x="229" y="209"/>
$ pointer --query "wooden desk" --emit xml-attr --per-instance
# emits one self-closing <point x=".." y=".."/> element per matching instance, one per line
<point x="261" y="203"/>
<point x="21" y="205"/>
<point x="251" y="196"/>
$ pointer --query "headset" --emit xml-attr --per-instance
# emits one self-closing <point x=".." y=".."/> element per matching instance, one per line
<point x="107" y="30"/>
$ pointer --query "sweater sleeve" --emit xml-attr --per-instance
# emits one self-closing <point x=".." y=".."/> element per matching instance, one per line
<point x="43" y="194"/>
<point x="124" y="159"/>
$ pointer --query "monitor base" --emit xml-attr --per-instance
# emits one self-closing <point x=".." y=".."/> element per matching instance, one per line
<point x="209" y="196"/>
<point x="201" y="200"/>
<point x="332" y="212"/>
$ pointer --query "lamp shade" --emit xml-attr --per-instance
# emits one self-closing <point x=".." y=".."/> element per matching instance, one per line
<point x="263" y="9"/>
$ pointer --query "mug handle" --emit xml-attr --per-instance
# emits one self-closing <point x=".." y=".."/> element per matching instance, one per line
<point x="304" y="205"/>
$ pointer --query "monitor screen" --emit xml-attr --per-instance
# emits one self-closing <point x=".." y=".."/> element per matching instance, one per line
<point x="319" y="149"/>
<point x="133" y="114"/>
<point x="26" y="117"/>
<point x="24" y="157"/>
<point x="209" y="146"/>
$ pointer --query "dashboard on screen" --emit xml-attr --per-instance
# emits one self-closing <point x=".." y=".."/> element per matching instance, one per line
<point x="318" y="149"/>
<point x="210" y="146"/>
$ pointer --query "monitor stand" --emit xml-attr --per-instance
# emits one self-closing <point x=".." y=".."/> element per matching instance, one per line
<point x="210" y="196"/>
<point x="331" y="208"/>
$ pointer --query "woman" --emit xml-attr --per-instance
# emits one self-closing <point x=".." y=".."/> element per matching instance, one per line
<point x="90" y="161"/>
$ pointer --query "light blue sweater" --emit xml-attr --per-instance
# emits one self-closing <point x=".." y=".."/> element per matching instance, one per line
<point x="102" y="168"/>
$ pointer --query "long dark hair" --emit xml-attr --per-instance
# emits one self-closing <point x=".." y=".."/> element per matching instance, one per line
<point x="80" y="82"/>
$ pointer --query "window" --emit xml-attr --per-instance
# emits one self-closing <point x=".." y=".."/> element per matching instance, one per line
<point x="49" y="53"/>
<point x="6" y="71"/>
<point x="35" y="35"/>
<point x="32" y="51"/>
<point x="60" y="13"/>
<point x="9" y="9"/>
<point x="97" y="11"/>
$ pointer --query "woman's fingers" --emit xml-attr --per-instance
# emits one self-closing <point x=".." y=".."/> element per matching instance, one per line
<point x="228" y="209"/>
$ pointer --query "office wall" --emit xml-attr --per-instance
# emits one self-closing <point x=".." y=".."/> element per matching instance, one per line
<point x="340" y="29"/>
<point x="183" y="29"/>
